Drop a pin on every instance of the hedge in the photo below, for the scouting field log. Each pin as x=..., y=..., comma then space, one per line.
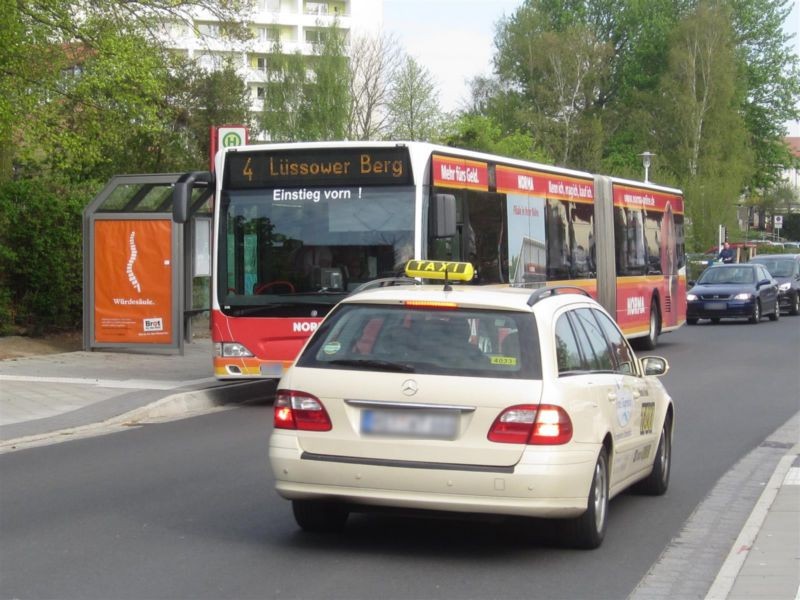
x=41, y=268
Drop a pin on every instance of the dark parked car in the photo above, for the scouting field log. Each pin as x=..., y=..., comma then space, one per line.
x=733, y=291
x=785, y=268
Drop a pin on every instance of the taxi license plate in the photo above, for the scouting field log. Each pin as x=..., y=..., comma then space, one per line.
x=716, y=306
x=428, y=424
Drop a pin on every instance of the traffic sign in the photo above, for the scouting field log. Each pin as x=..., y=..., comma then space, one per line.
x=778, y=221
x=231, y=136
x=226, y=136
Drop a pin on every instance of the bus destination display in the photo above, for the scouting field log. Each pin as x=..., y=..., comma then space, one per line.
x=304, y=168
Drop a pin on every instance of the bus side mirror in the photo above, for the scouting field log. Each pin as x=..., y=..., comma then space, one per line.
x=182, y=193
x=444, y=215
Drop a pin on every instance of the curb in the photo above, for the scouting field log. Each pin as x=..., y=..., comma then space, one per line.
x=188, y=403
x=726, y=578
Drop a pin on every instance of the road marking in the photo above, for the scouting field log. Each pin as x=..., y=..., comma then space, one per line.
x=132, y=384
x=792, y=477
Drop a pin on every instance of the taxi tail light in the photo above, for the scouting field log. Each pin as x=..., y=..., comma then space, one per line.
x=542, y=424
x=301, y=411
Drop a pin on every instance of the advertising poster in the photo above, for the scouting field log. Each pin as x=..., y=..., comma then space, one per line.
x=660, y=209
x=527, y=192
x=133, y=281
x=460, y=173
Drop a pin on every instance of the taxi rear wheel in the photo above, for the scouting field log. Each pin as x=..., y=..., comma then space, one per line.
x=588, y=530
x=657, y=482
x=320, y=517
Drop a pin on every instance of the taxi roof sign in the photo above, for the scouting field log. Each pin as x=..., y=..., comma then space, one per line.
x=440, y=269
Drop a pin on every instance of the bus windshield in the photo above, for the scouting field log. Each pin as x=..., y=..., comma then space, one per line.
x=298, y=251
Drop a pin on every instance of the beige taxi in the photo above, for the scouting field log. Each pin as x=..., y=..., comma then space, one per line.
x=470, y=399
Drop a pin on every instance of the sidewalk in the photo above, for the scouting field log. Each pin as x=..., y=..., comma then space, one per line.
x=41, y=395
x=764, y=562
x=58, y=394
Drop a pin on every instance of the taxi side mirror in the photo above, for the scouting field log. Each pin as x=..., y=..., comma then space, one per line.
x=654, y=366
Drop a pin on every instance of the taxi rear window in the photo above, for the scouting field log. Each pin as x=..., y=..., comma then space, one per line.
x=469, y=343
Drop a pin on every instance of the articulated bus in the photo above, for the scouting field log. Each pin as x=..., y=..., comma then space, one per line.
x=299, y=226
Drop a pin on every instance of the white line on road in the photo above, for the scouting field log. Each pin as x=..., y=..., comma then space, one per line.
x=133, y=384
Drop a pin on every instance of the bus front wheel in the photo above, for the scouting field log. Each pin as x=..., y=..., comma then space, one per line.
x=649, y=342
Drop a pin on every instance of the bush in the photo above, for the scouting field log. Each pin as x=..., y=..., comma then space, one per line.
x=41, y=271
x=775, y=249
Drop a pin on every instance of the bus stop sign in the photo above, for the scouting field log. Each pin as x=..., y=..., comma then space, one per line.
x=226, y=136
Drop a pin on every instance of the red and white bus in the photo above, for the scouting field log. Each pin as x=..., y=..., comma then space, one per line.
x=299, y=226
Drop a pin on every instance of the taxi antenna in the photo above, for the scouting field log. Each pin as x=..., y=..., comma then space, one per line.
x=447, y=286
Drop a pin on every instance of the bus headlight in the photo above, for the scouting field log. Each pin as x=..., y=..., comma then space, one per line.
x=231, y=350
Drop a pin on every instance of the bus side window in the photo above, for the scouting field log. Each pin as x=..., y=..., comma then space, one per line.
x=488, y=236
x=557, y=235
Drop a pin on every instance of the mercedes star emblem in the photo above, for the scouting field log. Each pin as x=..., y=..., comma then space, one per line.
x=409, y=387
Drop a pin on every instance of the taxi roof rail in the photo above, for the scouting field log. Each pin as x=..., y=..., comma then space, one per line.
x=547, y=292
x=385, y=282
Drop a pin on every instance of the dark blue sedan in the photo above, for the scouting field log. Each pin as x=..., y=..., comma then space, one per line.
x=733, y=291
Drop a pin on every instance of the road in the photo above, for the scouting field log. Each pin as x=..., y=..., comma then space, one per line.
x=186, y=509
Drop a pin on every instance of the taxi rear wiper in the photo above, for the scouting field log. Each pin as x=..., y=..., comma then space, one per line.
x=369, y=363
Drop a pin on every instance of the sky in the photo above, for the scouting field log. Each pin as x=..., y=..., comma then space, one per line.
x=454, y=40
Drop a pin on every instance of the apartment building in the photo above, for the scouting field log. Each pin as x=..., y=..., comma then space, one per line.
x=297, y=24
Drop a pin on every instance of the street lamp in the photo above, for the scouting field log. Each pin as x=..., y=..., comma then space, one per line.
x=646, y=156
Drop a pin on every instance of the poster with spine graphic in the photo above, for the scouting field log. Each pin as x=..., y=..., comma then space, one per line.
x=133, y=281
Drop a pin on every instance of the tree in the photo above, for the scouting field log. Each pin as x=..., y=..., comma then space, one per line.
x=559, y=68
x=44, y=41
x=482, y=133
x=102, y=115
x=791, y=227
x=777, y=199
x=414, y=104
x=198, y=100
x=281, y=118
x=307, y=98
x=326, y=109
x=374, y=60
x=702, y=134
x=771, y=71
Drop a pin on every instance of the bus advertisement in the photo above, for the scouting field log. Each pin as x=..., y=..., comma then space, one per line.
x=299, y=226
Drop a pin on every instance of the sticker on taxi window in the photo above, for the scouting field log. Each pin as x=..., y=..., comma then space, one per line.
x=332, y=348
x=507, y=361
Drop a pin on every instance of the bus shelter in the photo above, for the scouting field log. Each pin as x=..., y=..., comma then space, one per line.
x=144, y=276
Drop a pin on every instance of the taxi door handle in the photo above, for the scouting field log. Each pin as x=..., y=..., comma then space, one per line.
x=636, y=393
x=612, y=396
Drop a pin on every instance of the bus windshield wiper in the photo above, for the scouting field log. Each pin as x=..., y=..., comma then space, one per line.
x=383, y=365
x=241, y=311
